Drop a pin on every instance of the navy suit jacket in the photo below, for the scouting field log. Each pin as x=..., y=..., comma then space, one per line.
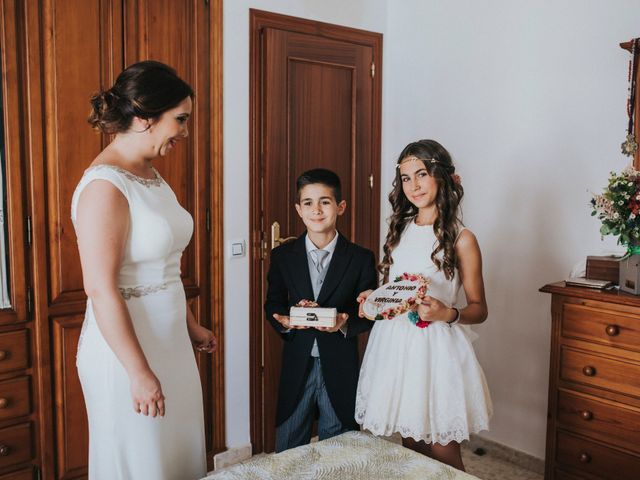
x=351, y=270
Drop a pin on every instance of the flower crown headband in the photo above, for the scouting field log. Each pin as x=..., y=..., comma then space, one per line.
x=411, y=158
x=454, y=176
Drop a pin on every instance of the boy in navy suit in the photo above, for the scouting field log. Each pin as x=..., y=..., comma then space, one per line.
x=320, y=366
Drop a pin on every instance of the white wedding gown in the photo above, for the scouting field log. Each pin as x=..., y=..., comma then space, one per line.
x=124, y=445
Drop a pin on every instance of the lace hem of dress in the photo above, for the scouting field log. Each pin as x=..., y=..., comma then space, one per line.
x=141, y=290
x=456, y=431
x=147, y=182
x=450, y=426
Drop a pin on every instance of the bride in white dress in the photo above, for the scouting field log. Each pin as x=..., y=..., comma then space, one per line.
x=135, y=356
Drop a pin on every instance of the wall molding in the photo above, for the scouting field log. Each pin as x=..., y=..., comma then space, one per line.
x=232, y=456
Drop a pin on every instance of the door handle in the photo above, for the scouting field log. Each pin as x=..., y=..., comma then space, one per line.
x=275, y=236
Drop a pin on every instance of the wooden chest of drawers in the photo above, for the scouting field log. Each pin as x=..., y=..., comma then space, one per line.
x=593, y=429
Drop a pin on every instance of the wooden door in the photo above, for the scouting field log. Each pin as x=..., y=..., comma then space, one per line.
x=317, y=107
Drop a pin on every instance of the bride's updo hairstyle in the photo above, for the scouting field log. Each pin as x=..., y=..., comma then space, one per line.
x=145, y=90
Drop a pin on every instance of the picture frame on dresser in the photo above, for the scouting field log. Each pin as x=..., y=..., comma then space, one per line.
x=593, y=426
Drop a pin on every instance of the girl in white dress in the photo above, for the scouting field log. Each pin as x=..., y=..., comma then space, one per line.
x=135, y=357
x=420, y=376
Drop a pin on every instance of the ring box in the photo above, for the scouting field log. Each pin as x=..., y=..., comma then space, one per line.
x=312, y=317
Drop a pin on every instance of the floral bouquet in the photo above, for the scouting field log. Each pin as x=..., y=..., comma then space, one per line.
x=618, y=207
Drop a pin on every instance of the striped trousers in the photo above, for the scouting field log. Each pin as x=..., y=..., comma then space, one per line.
x=296, y=430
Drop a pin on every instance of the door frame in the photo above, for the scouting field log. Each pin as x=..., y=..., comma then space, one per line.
x=215, y=221
x=260, y=20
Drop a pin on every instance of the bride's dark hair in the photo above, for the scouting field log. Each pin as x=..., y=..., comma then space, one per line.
x=145, y=89
x=438, y=163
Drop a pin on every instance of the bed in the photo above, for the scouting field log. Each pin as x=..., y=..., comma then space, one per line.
x=352, y=455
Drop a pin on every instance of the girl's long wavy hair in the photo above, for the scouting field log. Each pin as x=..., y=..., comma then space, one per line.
x=438, y=163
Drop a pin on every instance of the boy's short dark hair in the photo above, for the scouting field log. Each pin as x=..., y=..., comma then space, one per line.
x=323, y=176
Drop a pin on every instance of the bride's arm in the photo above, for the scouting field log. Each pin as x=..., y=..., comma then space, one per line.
x=470, y=268
x=101, y=226
x=202, y=338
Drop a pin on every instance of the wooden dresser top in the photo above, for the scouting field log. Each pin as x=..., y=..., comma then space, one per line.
x=612, y=296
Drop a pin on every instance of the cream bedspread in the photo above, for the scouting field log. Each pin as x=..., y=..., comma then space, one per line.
x=352, y=455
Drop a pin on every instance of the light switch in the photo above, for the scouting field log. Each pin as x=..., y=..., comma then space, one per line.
x=237, y=248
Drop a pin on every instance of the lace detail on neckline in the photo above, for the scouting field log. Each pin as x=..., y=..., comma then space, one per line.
x=147, y=182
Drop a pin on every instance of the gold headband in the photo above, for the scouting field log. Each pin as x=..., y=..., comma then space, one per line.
x=411, y=158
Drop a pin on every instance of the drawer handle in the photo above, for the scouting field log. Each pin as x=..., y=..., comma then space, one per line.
x=612, y=330
x=589, y=371
x=4, y=450
x=586, y=415
x=3, y=354
x=585, y=458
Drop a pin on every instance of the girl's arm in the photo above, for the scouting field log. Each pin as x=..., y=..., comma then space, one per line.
x=102, y=227
x=470, y=268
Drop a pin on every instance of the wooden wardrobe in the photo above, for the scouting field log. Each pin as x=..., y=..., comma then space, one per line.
x=55, y=54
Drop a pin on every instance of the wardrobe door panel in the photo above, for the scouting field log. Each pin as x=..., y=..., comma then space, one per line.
x=179, y=34
x=81, y=42
x=167, y=31
x=72, y=433
x=13, y=219
x=18, y=433
x=75, y=50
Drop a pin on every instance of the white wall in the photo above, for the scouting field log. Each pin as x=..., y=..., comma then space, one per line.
x=365, y=14
x=529, y=97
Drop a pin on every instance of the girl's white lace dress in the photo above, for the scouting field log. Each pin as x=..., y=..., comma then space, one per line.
x=424, y=383
x=124, y=445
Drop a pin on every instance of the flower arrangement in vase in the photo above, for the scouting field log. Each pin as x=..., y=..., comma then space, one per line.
x=618, y=208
